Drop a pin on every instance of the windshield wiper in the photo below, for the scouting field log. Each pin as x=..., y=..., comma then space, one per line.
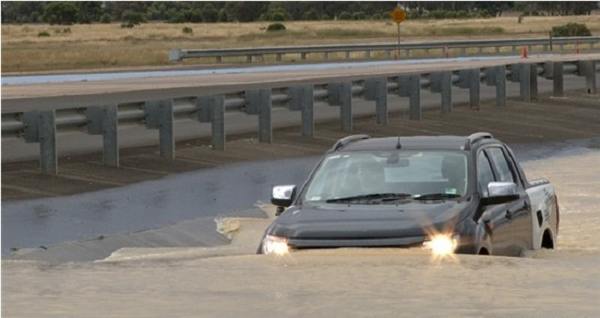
x=436, y=196
x=374, y=196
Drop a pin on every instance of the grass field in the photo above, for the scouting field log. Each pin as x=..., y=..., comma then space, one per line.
x=105, y=46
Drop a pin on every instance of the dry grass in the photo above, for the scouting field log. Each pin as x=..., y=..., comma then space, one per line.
x=110, y=46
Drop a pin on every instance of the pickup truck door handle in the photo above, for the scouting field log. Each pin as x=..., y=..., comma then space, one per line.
x=508, y=215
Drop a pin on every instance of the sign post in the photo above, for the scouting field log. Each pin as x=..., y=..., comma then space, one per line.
x=398, y=15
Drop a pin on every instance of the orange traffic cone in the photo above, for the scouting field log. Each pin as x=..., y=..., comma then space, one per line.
x=524, y=53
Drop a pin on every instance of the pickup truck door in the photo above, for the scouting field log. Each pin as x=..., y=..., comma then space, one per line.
x=519, y=210
x=499, y=221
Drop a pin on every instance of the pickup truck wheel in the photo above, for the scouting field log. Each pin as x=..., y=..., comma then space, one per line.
x=547, y=241
x=483, y=251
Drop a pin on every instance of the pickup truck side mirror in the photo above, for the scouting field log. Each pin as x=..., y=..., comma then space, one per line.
x=283, y=195
x=500, y=192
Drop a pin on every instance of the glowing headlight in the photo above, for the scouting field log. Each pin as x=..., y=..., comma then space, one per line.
x=441, y=245
x=275, y=245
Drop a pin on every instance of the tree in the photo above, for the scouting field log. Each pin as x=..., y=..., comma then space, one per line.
x=88, y=11
x=130, y=18
x=243, y=11
x=223, y=16
x=60, y=13
x=210, y=14
x=494, y=8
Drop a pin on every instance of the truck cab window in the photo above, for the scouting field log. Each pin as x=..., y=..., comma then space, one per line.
x=501, y=165
x=485, y=175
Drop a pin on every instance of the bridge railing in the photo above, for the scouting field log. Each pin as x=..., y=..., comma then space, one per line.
x=43, y=126
x=454, y=48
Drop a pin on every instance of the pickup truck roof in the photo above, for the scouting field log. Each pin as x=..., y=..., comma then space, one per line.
x=364, y=142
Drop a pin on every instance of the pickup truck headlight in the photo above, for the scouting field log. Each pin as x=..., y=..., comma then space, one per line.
x=275, y=245
x=441, y=244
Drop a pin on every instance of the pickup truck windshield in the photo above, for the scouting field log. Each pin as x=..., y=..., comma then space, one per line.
x=362, y=177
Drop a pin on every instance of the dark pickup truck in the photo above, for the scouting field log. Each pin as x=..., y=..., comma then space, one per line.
x=448, y=194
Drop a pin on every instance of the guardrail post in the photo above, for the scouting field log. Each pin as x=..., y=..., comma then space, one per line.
x=104, y=120
x=524, y=79
x=557, y=80
x=341, y=94
x=47, y=138
x=376, y=89
x=259, y=102
x=211, y=109
x=474, y=89
x=218, y=121
x=159, y=115
x=278, y=57
x=521, y=73
x=588, y=69
x=446, y=92
x=470, y=79
x=301, y=98
x=165, y=129
x=441, y=82
x=533, y=82
x=496, y=76
x=500, y=85
x=410, y=86
x=110, y=153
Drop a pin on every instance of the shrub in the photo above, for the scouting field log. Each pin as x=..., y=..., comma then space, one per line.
x=462, y=14
x=105, y=18
x=310, y=15
x=345, y=16
x=276, y=27
x=129, y=19
x=187, y=30
x=43, y=34
x=359, y=15
x=571, y=29
x=223, y=16
x=278, y=14
x=414, y=14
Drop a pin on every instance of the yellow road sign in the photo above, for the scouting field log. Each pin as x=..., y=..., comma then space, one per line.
x=398, y=15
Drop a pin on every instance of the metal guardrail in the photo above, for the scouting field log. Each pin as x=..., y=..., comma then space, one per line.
x=450, y=47
x=43, y=126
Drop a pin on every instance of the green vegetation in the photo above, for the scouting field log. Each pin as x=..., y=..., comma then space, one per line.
x=66, y=13
x=187, y=30
x=336, y=33
x=276, y=27
x=464, y=31
x=571, y=29
x=129, y=19
x=43, y=34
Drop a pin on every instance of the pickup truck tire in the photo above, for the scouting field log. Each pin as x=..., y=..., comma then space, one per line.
x=547, y=241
